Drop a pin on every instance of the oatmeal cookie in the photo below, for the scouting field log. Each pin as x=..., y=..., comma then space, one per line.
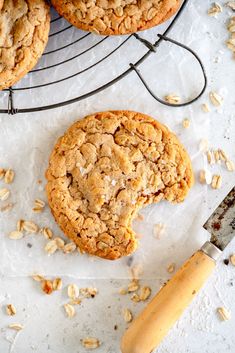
x=104, y=169
x=109, y=17
x=24, y=28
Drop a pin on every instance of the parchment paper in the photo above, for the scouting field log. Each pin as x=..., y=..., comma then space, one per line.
x=26, y=142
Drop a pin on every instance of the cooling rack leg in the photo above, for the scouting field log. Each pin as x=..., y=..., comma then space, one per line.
x=11, y=109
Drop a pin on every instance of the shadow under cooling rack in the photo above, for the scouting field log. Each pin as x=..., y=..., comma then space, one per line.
x=76, y=65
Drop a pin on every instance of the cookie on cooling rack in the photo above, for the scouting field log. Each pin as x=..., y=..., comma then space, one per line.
x=109, y=17
x=104, y=169
x=24, y=29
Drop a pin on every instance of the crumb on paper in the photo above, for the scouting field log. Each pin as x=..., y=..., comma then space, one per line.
x=10, y=310
x=16, y=235
x=145, y=293
x=135, y=298
x=9, y=176
x=203, y=145
x=30, y=227
x=47, y=286
x=139, y=217
x=51, y=247
x=205, y=177
x=232, y=259
x=69, y=248
x=186, y=123
x=231, y=5
x=7, y=207
x=57, y=283
x=127, y=315
x=171, y=267
x=16, y=326
x=47, y=232
x=159, y=230
x=4, y=194
x=72, y=291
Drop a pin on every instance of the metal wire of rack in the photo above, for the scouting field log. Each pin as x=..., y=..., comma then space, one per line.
x=60, y=63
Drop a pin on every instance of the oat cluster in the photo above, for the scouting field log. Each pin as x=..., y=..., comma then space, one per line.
x=104, y=169
x=116, y=16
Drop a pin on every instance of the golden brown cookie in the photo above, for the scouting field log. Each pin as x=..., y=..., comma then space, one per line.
x=116, y=16
x=24, y=29
x=104, y=169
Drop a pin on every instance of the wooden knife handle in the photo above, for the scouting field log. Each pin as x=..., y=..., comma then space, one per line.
x=152, y=324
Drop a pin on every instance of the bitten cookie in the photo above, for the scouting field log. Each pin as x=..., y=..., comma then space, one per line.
x=109, y=17
x=24, y=29
x=104, y=169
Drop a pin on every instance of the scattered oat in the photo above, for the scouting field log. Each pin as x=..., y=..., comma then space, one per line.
x=57, y=283
x=223, y=155
x=123, y=291
x=6, y=207
x=51, y=247
x=127, y=315
x=230, y=166
x=215, y=99
x=171, y=267
x=2, y=173
x=73, y=291
x=215, y=9
x=60, y=242
x=47, y=286
x=224, y=314
x=203, y=145
x=232, y=259
x=90, y=343
x=19, y=225
x=69, y=247
x=145, y=293
x=47, y=232
x=231, y=4
x=69, y=309
x=205, y=108
x=30, y=227
x=88, y=292
x=216, y=156
x=38, y=206
x=133, y=286
x=4, y=194
x=186, y=123
x=135, y=298
x=172, y=98
x=76, y=301
x=16, y=326
x=9, y=176
x=205, y=177
x=136, y=271
x=159, y=230
x=15, y=235
x=231, y=25
x=210, y=158
x=10, y=310
x=216, y=181
x=38, y=278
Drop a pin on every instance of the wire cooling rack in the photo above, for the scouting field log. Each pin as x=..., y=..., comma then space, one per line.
x=74, y=61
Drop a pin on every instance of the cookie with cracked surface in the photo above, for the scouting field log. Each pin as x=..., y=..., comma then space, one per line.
x=24, y=29
x=104, y=169
x=110, y=17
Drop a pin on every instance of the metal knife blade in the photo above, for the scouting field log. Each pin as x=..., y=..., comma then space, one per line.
x=221, y=224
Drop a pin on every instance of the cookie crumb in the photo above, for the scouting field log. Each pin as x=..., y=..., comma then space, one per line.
x=133, y=286
x=47, y=286
x=135, y=298
x=186, y=123
x=145, y=293
x=7, y=207
x=2, y=173
x=69, y=248
x=123, y=291
x=51, y=247
x=231, y=5
x=171, y=267
x=127, y=315
x=159, y=230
